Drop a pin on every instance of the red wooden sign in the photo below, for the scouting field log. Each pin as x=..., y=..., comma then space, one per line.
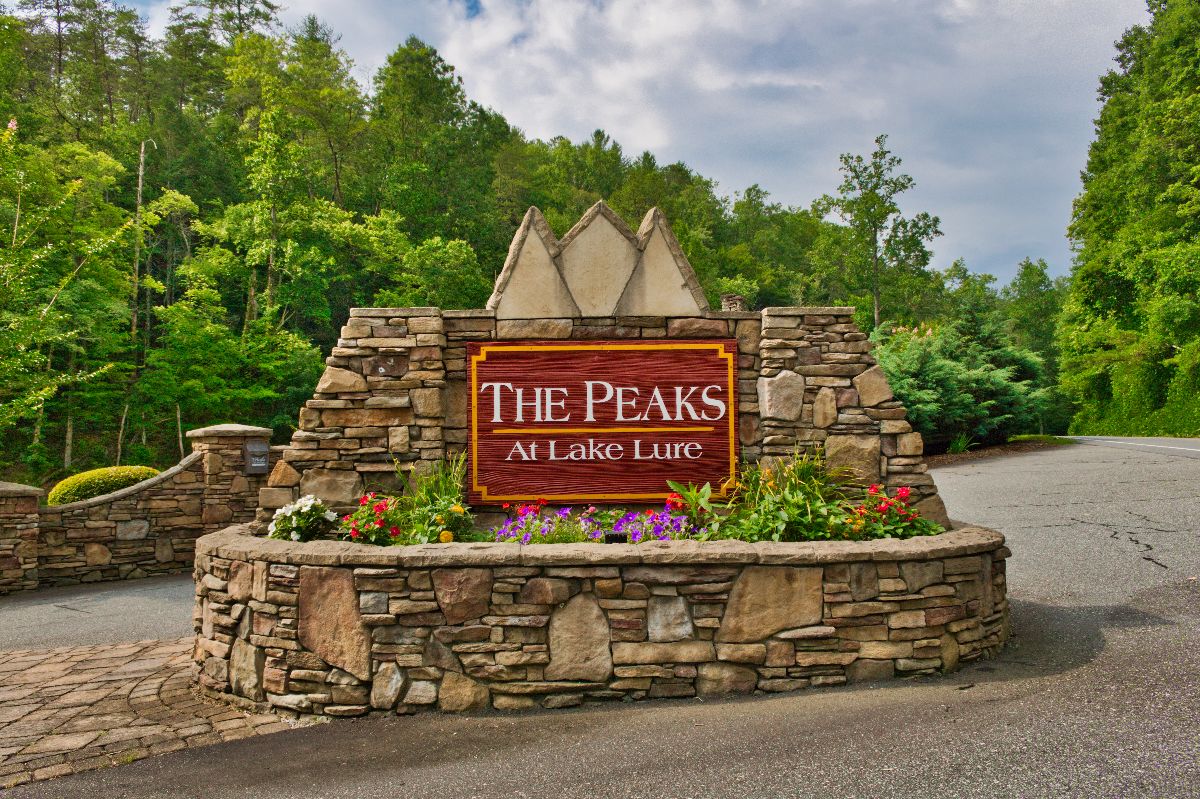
x=603, y=421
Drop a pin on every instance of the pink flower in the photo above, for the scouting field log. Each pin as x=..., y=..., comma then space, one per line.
x=12, y=124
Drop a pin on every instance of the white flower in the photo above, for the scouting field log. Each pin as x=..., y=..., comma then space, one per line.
x=271, y=527
x=330, y=516
x=295, y=535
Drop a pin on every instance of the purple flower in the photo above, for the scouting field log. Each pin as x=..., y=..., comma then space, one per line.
x=563, y=513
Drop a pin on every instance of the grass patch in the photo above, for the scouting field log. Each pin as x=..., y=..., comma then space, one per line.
x=1026, y=438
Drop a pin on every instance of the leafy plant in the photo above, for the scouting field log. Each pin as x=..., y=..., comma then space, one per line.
x=432, y=509
x=960, y=444
x=800, y=499
x=97, y=482
x=305, y=519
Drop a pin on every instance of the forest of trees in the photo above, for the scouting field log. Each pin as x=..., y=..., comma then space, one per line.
x=1130, y=330
x=186, y=221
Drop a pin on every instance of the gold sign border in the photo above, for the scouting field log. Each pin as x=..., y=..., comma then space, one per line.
x=722, y=350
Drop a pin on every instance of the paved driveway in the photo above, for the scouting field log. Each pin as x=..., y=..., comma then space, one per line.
x=1098, y=695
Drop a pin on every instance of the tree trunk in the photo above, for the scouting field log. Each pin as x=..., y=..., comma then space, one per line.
x=251, y=302
x=69, y=438
x=121, y=432
x=875, y=280
x=137, y=248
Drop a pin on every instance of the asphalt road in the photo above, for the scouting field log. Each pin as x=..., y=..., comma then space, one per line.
x=1098, y=694
x=100, y=613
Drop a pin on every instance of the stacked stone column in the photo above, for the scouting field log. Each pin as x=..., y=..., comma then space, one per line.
x=18, y=537
x=379, y=402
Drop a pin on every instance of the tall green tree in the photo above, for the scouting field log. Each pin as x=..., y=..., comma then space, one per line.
x=887, y=247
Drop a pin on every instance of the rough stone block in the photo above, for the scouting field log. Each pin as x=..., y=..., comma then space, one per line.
x=781, y=397
x=330, y=622
x=336, y=381
x=579, y=642
x=872, y=387
x=796, y=601
x=857, y=453
x=725, y=678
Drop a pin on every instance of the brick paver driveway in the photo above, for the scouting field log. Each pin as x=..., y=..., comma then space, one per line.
x=78, y=708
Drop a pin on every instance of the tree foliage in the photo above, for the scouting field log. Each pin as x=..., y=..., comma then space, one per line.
x=277, y=192
x=1130, y=330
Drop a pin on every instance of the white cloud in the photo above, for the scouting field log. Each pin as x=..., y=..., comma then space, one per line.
x=988, y=102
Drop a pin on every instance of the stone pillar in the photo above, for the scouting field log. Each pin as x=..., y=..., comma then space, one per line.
x=230, y=495
x=18, y=537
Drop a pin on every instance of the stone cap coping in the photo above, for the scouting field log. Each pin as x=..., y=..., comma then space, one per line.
x=240, y=542
x=19, y=490
x=489, y=313
x=816, y=310
x=121, y=493
x=386, y=312
x=230, y=431
x=470, y=313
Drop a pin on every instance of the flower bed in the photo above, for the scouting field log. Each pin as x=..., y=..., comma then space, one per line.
x=797, y=499
x=342, y=629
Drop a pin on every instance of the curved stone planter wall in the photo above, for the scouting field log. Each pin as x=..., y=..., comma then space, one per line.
x=144, y=529
x=342, y=629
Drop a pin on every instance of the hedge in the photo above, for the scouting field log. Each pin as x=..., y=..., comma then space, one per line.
x=97, y=482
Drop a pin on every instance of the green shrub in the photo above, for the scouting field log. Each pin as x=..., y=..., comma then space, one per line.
x=98, y=482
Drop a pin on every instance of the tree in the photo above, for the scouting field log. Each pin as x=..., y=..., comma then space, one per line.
x=890, y=243
x=1130, y=329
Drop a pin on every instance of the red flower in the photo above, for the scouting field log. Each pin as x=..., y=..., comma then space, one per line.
x=395, y=531
x=354, y=533
x=649, y=512
x=541, y=501
x=674, y=501
x=379, y=522
x=364, y=500
x=903, y=493
x=874, y=489
x=506, y=505
x=883, y=506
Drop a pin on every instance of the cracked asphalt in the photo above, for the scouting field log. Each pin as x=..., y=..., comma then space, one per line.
x=1097, y=695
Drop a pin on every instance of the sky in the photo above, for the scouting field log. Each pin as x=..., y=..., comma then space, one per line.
x=990, y=103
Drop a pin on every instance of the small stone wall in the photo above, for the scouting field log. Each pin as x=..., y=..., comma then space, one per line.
x=342, y=629
x=147, y=528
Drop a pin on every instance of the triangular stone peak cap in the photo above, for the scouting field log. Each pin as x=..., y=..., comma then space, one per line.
x=600, y=268
x=598, y=256
x=663, y=283
x=531, y=285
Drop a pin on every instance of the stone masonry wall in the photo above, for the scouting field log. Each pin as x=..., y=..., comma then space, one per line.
x=395, y=386
x=148, y=528
x=18, y=537
x=342, y=629
x=395, y=389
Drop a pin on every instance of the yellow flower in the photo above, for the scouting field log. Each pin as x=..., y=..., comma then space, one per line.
x=446, y=537
x=458, y=509
x=439, y=519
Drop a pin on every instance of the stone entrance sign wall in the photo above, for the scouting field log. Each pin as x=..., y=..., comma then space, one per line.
x=343, y=629
x=396, y=386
